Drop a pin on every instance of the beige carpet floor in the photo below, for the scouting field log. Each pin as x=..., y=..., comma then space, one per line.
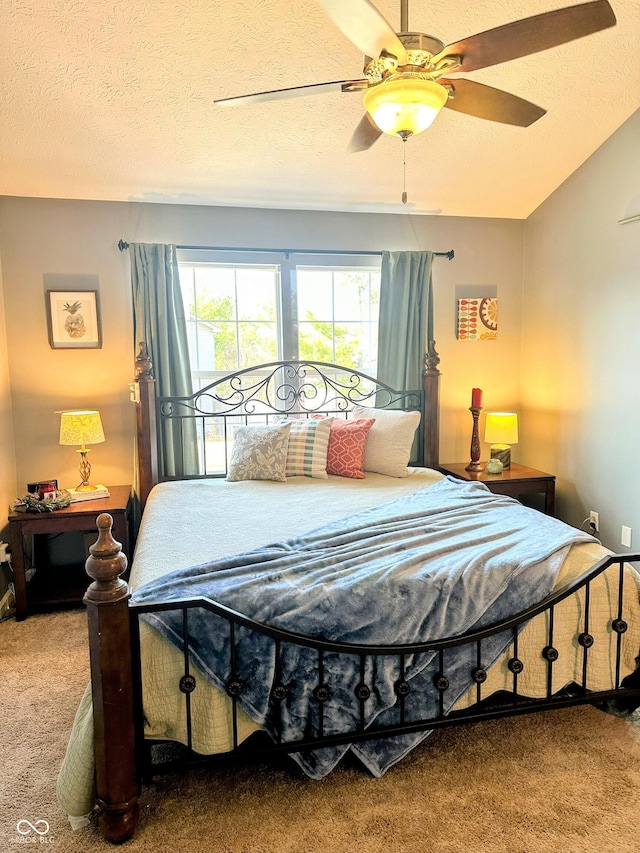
x=561, y=782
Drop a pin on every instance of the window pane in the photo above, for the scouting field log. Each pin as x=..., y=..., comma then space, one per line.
x=214, y=275
x=218, y=298
x=315, y=341
x=352, y=296
x=225, y=346
x=214, y=296
x=355, y=345
x=257, y=343
x=256, y=289
x=315, y=294
x=338, y=316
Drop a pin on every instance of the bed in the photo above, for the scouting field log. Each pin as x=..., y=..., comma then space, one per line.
x=290, y=615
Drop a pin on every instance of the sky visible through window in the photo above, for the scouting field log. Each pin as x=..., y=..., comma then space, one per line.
x=237, y=316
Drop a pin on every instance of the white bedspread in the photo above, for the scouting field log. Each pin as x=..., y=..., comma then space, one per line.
x=216, y=518
x=189, y=522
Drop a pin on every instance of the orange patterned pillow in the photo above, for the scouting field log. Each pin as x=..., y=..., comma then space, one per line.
x=347, y=442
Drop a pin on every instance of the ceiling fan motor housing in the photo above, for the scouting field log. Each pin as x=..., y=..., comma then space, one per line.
x=420, y=48
x=420, y=43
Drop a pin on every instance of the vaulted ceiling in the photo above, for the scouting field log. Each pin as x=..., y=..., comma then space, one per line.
x=113, y=99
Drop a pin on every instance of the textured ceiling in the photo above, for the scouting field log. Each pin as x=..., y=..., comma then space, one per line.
x=113, y=99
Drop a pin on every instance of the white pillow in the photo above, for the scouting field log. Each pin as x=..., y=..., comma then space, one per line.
x=388, y=448
x=259, y=453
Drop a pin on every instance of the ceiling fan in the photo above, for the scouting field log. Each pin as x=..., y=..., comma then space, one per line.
x=406, y=81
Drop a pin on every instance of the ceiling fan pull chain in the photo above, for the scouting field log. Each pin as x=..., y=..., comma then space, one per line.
x=404, y=170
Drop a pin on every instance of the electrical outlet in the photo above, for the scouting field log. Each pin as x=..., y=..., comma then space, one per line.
x=625, y=538
x=594, y=520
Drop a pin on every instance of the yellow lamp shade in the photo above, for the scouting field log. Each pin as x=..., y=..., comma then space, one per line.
x=501, y=428
x=83, y=427
x=404, y=105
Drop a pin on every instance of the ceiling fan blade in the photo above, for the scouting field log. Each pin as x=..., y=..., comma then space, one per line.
x=367, y=28
x=530, y=35
x=294, y=92
x=366, y=133
x=482, y=101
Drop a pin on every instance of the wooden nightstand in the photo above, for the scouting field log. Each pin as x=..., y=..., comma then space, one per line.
x=516, y=481
x=62, y=584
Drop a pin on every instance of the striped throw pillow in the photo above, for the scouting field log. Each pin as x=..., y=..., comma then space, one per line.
x=308, y=445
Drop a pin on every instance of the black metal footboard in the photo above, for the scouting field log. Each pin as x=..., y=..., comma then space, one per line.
x=487, y=704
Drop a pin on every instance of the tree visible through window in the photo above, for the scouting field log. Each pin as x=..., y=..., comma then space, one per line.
x=338, y=316
x=247, y=313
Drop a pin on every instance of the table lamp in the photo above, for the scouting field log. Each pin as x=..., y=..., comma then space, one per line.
x=82, y=428
x=501, y=431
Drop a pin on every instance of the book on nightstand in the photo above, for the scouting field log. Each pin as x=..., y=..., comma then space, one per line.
x=100, y=491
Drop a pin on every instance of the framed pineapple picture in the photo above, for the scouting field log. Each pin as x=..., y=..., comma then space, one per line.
x=73, y=318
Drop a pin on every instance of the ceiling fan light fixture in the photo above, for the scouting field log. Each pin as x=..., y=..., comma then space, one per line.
x=405, y=105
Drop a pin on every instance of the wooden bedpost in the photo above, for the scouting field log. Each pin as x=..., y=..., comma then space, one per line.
x=117, y=784
x=431, y=414
x=147, y=446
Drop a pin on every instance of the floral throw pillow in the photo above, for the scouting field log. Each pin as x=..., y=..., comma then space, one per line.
x=259, y=453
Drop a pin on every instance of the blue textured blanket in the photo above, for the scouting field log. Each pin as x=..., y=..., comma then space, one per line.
x=430, y=565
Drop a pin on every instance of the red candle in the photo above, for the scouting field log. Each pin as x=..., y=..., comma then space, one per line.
x=476, y=398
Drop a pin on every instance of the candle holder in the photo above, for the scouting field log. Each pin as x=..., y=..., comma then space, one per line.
x=475, y=464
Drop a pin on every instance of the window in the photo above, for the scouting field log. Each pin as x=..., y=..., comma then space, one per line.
x=338, y=315
x=250, y=308
x=232, y=317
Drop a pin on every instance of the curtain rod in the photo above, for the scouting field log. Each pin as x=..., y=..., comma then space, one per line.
x=122, y=245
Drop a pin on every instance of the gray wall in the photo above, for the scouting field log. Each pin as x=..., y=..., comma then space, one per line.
x=41, y=236
x=580, y=394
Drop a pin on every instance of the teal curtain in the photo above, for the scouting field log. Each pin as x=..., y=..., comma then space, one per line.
x=159, y=320
x=406, y=320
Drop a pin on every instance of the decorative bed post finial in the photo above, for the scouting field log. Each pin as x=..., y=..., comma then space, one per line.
x=144, y=365
x=105, y=564
x=431, y=359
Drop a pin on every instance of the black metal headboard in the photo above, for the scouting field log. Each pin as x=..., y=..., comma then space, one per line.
x=174, y=434
x=195, y=433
